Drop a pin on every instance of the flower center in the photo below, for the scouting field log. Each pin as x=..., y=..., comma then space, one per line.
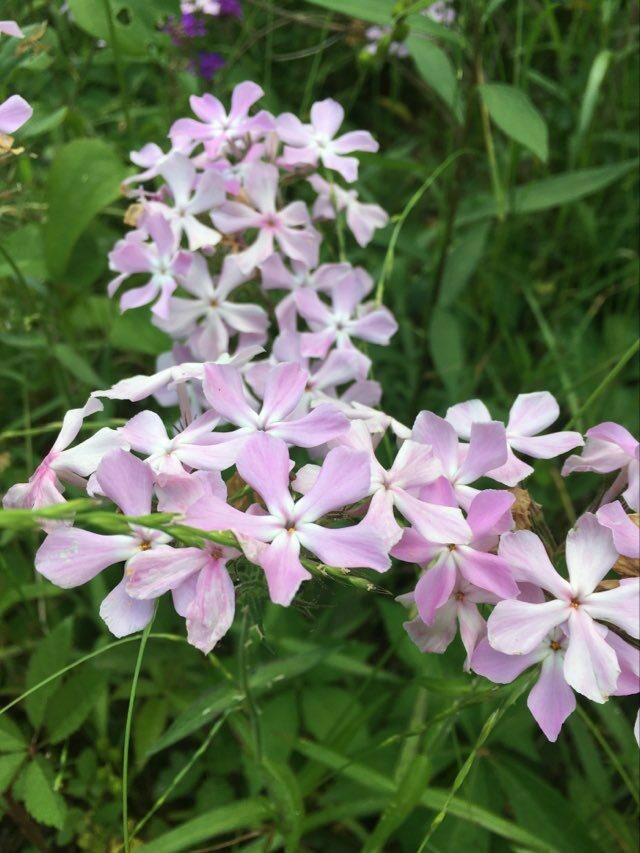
x=575, y=603
x=144, y=546
x=554, y=645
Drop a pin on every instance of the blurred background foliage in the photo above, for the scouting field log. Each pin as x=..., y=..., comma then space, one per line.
x=508, y=163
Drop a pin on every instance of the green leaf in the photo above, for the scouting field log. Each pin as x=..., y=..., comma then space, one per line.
x=25, y=248
x=215, y=702
x=285, y=794
x=242, y=815
x=132, y=331
x=549, y=192
x=323, y=707
x=77, y=365
x=84, y=178
x=402, y=803
x=36, y=790
x=594, y=84
x=462, y=261
x=437, y=71
x=73, y=702
x=9, y=765
x=376, y=11
x=27, y=592
x=43, y=120
x=512, y=111
x=149, y=724
x=447, y=348
x=11, y=737
x=51, y=654
x=134, y=21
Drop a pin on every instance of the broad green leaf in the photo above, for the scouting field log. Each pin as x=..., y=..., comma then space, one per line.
x=512, y=111
x=73, y=702
x=437, y=71
x=401, y=804
x=462, y=261
x=133, y=332
x=50, y=655
x=42, y=802
x=549, y=192
x=11, y=737
x=24, y=247
x=134, y=21
x=447, y=348
x=84, y=178
x=150, y=721
x=43, y=120
x=77, y=365
x=9, y=766
x=241, y=815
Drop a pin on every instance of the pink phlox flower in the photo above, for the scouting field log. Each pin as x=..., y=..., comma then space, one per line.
x=377, y=421
x=611, y=447
x=71, y=464
x=146, y=433
x=233, y=172
x=460, y=464
x=459, y=611
x=626, y=534
x=197, y=578
x=209, y=318
x=289, y=227
x=454, y=549
x=11, y=28
x=217, y=129
x=69, y=556
x=150, y=158
x=344, y=319
x=340, y=368
x=276, y=276
x=375, y=34
x=362, y=218
x=306, y=144
x=441, y=12
x=529, y=415
x=192, y=195
x=518, y=627
x=290, y=525
x=160, y=256
x=283, y=389
x=205, y=7
x=14, y=112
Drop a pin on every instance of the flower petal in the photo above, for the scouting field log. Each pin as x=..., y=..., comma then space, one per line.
x=211, y=611
x=434, y=588
x=532, y=413
x=620, y=606
x=529, y=562
x=344, y=478
x=264, y=464
x=590, y=664
x=69, y=556
x=517, y=627
x=150, y=574
x=357, y=547
x=590, y=554
x=124, y=615
x=551, y=700
x=127, y=481
x=283, y=569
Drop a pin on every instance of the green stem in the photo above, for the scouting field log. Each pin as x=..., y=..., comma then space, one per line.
x=624, y=359
x=496, y=182
x=127, y=733
x=122, y=80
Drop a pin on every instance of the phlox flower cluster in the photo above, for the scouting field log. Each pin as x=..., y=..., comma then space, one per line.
x=15, y=111
x=280, y=427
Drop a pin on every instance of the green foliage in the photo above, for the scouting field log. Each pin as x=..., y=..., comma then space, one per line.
x=511, y=263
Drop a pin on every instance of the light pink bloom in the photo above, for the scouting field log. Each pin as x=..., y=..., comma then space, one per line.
x=192, y=195
x=161, y=257
x=151, y=158
x=345, y=319
x=551, y=699
x=461, y=555
x=69, y=556
x=290, y=227
x=14, y=112
x=460, y=464
x=610, y=447
x=234, y=172
x=308, y=143
x=210, y=317
x=518, y=627
x=276, y=276
x=217, y=128
x=195, y=446
x=72, y=464
x=459, y=611
x=206, y=7
x=11, y=28
x=362, y=219
x=626, y=534
x=283, y=390
x=376, y=34
x=529, y=415
x=287, y=526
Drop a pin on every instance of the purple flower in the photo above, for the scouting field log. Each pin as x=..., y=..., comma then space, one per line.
x=518, y=627
x=192, y=26
x=529, y=415
x=344, y=320
x=611, y=447
x=161, y=257
x=288, y=525
x=208, y=64
x=309, y=143
x=289, y=227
